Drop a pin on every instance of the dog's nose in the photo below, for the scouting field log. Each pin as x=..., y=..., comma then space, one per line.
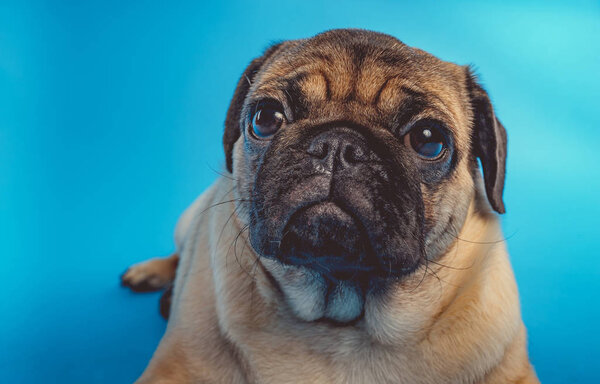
x=339, y=146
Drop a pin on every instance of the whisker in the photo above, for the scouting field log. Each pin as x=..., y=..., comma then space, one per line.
x=450, y=267
x=220, y=173
x=223, y=202
x=422, y=277
x=234, y=245
x=221, y=233
x=227, y=222
x=504, y=239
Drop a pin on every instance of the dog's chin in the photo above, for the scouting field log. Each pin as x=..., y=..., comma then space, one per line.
x=321, y=266
x=311, y=296
x=325, y=264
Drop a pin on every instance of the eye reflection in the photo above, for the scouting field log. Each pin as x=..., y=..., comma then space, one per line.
x=428, y=141
x=266, y=121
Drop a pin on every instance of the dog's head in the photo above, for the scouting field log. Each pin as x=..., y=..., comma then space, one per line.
x=355, y=158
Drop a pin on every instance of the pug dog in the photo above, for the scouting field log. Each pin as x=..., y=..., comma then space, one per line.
x=353, y=238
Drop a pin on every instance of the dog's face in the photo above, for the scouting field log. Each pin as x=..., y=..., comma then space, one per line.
x=355, y=161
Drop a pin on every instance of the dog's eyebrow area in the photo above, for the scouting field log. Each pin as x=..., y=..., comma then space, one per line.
x=311, y=88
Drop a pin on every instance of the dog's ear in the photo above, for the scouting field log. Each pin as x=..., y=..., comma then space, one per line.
x=489, y=142
x=232, y=121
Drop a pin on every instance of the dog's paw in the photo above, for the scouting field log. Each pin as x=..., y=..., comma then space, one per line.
x=152, y=275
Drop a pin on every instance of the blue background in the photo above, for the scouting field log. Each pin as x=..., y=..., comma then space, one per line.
x=111, y=115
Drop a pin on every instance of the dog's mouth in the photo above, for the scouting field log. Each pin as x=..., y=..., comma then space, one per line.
x=328, y=239
x=327, y=242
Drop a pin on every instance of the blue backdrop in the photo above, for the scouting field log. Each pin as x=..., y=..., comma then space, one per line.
x=111, y=116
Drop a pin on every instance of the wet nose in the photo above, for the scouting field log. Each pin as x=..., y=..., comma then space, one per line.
x=339, y=146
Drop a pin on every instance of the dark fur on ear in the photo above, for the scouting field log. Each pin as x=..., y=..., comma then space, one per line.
x=232, y=121
x=489, y=142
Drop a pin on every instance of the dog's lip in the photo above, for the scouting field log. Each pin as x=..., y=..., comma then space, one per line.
x=328, y=206
x=328, y=265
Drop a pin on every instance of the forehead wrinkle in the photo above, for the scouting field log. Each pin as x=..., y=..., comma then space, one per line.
x=340, y=73
x=333, y=76
x=307, y=82
x=316, y=87
x=337, y=68
x=446, y=102
x=370, y=80
x=395, y=90
x=277, y=73
x=282, y=72
x=378, y=68
x=409, y=103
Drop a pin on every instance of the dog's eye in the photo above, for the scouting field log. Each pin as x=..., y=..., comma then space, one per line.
x=427, y=140
x=266, y=121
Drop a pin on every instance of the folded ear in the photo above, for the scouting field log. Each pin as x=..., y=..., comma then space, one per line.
x=489, y=142
x=232, y=121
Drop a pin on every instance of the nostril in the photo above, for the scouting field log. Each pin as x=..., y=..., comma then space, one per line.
x=319, y=150
x=324, y=150
x=339, y=145
x=351, y=154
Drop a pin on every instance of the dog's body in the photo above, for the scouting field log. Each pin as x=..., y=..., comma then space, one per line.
x=444, y=309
